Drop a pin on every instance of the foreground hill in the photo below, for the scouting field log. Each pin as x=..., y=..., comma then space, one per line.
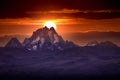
x=71, y=63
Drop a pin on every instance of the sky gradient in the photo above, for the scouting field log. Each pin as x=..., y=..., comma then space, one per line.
x=22, y=17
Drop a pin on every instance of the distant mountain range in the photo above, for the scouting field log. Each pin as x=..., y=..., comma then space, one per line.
x=79, y=38
x=43, y=38
x=4, y=39
x=102, y=44
x=86, y=37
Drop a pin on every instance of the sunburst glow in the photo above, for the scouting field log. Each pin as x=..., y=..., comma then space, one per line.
x=50, y=24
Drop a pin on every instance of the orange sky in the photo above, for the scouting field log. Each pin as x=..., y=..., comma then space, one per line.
x=64, y=25
x=22, y=17
x=67, y=21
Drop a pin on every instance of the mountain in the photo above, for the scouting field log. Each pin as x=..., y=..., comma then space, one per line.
x=48, y=39
x=78, y=37
x=82, y=38
x=93, y=43
x=101, y=44
x=107, y=44
x=45, y=38
x=14, y=43
x=6, y=38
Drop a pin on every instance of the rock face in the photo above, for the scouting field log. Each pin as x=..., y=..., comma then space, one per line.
x=46, y=38
x=14, y=43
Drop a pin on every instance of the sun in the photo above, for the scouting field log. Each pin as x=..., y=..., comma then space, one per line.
x=50, y=24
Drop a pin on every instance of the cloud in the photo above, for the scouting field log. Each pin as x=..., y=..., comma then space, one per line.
x=67, y=11
x=75, y=13
x=72, y=11
x=58, y=21
x=37, y=21
x=18, y=8
x=20, y=21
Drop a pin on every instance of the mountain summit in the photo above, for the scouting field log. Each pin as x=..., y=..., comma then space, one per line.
x=45, y=38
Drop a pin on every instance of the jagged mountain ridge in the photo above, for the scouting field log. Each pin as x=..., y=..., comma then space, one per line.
x=45, y=38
